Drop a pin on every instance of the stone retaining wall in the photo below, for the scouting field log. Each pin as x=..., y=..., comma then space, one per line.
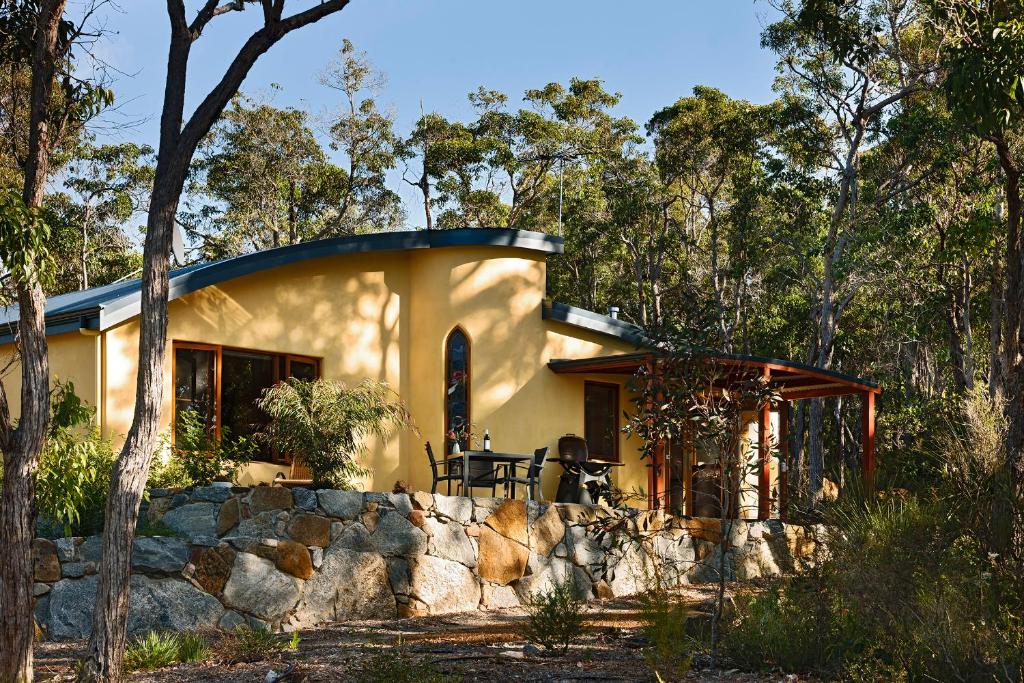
x=291, y=558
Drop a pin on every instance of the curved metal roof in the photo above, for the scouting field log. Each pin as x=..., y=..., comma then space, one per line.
x=100, y=308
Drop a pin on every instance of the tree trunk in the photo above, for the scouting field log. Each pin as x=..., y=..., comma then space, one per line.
x=85, y=244
x=1014, y=338
x=796, y=445
x=22, y=449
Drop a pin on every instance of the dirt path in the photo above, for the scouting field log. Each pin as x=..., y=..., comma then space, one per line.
x=473, y=646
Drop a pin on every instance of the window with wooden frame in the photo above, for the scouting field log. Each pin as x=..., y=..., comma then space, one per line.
x=457, y=379
x=223, y=383
x=601, y=420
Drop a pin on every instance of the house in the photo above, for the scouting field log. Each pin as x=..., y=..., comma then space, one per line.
x=456, y=321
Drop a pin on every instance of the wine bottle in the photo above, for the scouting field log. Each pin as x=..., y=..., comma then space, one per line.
x=487, y=440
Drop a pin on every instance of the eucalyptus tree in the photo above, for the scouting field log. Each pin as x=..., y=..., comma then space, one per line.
x=983, y=65
x=112, y=185
x=179, y=138
x=366, y=137
x=45, y=100
x=852, y=63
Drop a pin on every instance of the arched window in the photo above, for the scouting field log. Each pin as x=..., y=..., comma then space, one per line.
x=456, y=397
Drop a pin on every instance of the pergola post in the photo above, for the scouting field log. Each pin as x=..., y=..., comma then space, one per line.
x=867, y=415
x=783, y=458
x=764, y=465
x=655, y=477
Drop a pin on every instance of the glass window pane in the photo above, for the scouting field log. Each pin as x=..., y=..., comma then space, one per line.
x=600, y=415
x=243, y=379
x=457, y=378
x=194, y=377
x=303, y=370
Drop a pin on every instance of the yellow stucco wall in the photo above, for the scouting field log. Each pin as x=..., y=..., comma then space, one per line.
x=73, y=357
x=387, y=316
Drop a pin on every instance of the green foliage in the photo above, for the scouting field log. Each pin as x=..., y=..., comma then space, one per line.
x=202, y=456
x=664, y=626
x=24, y=240
x=555, y=618
x=255, y=644
x=75, y=466
x=916, y=585
x=157, y=649
x=326, y=424
x=398, y=665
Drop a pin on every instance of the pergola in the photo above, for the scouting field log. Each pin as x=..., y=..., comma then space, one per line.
x=792, y=382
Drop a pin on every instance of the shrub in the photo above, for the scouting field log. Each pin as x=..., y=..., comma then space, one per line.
x=398, y=665
x=157, y=649
x=555, y=618
x=74, y=468
x=663, y=624
x=255, y=644
x=203, y=457
x=151, y=651
x=325, y=423
x=193, y=647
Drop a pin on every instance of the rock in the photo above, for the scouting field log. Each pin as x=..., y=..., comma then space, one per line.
x=531, y=650
x=370, y=520
x=398, y=576
x=395, y=535
x=179, y=499
x=211, y=494
x=67, y=549
x=257, y=587
x=354, y=537
x=443, y=586
x=40, y=589
x=263, y=525
x=343, y=504
x=91, y=549
x=603, y=590
x=336, y=530
x=155, y=604
x=574, y=513
x=45, y=564
x=501, y=560
x=449, y=542
x=159, y=554
x=547, y=532
x=485, y=507
x=372, y=505
x=585, y=550
x=305, y=499
x=509, y=520
x=156, y=509
x=535, y=584
x=418, y=519
x=454, y=507
x=229, y=515
x=499, y=597
x=421, y=500
x=293, y=558
x=310, y=530
x=473, y=530
x=349, y=585
x=72, y=570
x=631, y=572
x=400, y=502
x=317, y=556
x=213, y=567
x=69, y=609
x=170, y=605
x=194, y=519
x=231, y=621
x=264, y=498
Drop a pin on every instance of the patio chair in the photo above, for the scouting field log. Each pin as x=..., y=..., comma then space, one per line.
x=451, y=468
x=528, y=478
x=583, y=481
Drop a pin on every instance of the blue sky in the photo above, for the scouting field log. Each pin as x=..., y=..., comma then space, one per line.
x=436, y=51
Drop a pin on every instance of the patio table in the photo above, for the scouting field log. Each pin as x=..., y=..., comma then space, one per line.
x=492, y=457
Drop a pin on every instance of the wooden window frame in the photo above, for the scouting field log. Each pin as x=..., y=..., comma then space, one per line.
x=469, y=385
x=614, y=456
x=218, y=351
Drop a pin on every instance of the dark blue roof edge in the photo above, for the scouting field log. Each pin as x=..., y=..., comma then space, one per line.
x=123, y=303
x=596, y=322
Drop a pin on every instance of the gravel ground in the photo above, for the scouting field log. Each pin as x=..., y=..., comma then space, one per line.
x=473, y=646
